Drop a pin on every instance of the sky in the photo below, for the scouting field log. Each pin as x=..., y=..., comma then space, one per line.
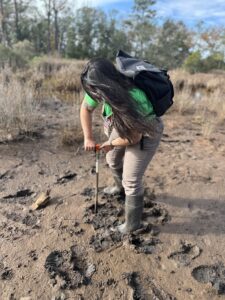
x=191, y=12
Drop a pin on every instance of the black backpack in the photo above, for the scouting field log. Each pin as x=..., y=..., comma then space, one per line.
x=153, y=81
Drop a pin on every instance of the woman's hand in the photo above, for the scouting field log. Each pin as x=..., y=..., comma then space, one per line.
x=106, y=146
x=89, y=145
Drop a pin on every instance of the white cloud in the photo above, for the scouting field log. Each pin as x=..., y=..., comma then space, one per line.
x=81, y=3
x=192, y=10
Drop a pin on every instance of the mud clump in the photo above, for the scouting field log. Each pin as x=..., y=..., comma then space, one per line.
x=87, y=192
x=106, y=217
x=33, y=255
x=156, y=214
x=133, y=281
x=28, y=219
x=146, y=246
x=6, y=274
x=105, y=240
x=20, y=194
x=214, y=274
x=66, y=177
x=155, y=291
x=186, y=253
x=68, y=268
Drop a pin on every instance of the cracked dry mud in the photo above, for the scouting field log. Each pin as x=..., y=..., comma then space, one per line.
x=64, y=251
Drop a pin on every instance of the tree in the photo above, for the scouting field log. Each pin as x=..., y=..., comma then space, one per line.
x=110, y=36
x=48, y=9
x=86, y=21
x=58, y=6
x=5, y=12
x=193, y=62
x=140, y=26
x=22, y=19
x=172, y=47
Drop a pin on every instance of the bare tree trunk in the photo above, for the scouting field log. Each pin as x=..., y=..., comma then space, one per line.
x=3, y=38
x=17, y=28
x=56, y=30
x=58, y=6
x=49, y=25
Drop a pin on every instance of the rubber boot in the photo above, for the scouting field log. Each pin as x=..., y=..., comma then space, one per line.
x=117, y=188
x=133, y=214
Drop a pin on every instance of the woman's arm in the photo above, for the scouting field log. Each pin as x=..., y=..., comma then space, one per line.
x=125, y=142
x=118, y=141
x=86, y=124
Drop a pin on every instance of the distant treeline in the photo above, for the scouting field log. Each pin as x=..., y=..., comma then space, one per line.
x=53, y=27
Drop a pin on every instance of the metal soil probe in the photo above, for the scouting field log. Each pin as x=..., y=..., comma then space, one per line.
x=97, y=152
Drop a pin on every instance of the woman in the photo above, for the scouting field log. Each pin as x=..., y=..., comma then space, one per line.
x=132, y=128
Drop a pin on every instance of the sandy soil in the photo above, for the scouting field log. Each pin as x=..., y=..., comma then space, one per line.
x=64, y=251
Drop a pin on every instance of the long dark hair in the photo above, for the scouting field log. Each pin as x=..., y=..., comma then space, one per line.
x=102, y=81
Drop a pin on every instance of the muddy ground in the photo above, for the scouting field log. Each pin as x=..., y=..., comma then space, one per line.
x=64, y=251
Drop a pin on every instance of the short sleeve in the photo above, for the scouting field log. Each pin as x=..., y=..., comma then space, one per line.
x=89, y=102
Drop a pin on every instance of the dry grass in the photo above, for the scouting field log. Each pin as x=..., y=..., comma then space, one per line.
x=72, y=135
x=66, y=79
x=61, y=77
x=201, y=95
x=17, y=105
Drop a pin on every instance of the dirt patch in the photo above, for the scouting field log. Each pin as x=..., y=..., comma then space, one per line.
x=31, y=238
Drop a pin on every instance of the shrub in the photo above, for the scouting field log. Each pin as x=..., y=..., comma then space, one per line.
x=16, y=57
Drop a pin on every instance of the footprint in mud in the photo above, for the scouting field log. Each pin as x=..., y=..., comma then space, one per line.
x=186, y=254
x=105, y=240
x=70, y=266
x=156, y=214
x=107, y=215
x=214, y=274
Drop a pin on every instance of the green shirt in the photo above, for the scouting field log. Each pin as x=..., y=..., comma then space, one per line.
x=143, y=103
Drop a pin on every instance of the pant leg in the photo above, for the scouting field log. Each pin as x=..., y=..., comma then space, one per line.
x=115, y=157
x=136, y=162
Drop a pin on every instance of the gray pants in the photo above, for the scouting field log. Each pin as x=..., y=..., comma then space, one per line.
x=134, y=161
